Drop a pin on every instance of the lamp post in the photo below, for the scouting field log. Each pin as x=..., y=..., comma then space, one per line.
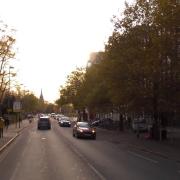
x=10, y=67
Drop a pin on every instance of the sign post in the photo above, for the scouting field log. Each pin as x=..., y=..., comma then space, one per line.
x=17, y=106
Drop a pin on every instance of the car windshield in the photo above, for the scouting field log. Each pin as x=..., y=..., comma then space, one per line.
x=81, y=124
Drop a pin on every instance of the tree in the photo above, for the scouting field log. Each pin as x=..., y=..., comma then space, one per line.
x=30, y=103
x=6, y=55
x=50, y=108
x=96, y=96
x=139, y=70
x=69, y=93
x=141, y=52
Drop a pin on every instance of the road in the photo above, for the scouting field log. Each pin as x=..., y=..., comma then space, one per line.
x=55, y=155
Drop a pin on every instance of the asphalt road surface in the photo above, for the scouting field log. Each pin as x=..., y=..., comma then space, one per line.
x=56, y=155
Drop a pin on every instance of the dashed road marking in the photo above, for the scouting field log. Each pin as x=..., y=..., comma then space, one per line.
x=15, y=171
x=43, y=138
x=96, y=171
x=143, y=157
x=89, y=164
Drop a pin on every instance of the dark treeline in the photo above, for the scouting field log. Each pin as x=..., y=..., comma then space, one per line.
x=139, y=70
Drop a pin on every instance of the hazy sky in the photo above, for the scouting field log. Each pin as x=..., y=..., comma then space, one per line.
x=56, y=36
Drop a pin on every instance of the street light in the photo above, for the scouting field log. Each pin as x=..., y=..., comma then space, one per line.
x=10, y=67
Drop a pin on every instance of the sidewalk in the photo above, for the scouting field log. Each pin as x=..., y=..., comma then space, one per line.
x=168, y=149
x=11, y=133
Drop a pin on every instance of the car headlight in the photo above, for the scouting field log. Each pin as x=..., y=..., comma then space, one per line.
x=80, y=130
x=93, y=131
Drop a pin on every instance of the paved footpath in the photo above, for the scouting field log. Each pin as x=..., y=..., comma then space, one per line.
x=11, y=133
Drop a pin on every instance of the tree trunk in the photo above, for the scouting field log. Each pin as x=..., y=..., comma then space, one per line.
x=156, y=128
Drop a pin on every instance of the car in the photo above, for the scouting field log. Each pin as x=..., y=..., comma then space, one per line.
x=139, y=124
x=65, y=122
x=96, y=123
x=29, y=116
x=53, y=115
x=44, y=123
x=61, y=117
x=104, y=123
x=83, y=129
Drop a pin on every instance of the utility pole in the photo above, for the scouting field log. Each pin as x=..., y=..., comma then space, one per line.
x=10, y=67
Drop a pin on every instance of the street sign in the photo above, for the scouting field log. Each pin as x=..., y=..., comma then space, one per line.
x=17, y=106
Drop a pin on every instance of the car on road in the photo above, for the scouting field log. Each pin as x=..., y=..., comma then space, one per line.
x=30, y=117
x=44, y=123
x=104, y=123
x=96, y=123
x=139, y=124
x=83, y=129
x=65, y=122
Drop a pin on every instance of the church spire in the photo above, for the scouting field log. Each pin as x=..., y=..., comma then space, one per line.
x=41, y=96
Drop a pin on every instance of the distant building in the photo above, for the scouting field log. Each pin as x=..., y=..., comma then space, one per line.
x=41, y=98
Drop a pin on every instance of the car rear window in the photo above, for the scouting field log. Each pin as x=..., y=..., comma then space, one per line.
x=81, y=124
x=44, y=119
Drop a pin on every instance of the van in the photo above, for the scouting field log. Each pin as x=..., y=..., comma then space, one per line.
x=44, y=123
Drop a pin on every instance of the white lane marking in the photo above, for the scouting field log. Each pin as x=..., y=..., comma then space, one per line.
x=143, y=157
x=23, y=153
x=90, y=165
x=43, y=138
x=96, y=171
x=15, y=171
x=27, y=145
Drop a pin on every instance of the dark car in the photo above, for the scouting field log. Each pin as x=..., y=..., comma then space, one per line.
x=65, y=122
x=104, y=123
x=44, y=123
x=83, y=129
x=96, y=123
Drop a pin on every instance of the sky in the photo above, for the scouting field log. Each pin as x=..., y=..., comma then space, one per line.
x=53, y=37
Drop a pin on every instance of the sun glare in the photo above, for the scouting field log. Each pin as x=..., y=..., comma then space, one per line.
x=54, y=37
